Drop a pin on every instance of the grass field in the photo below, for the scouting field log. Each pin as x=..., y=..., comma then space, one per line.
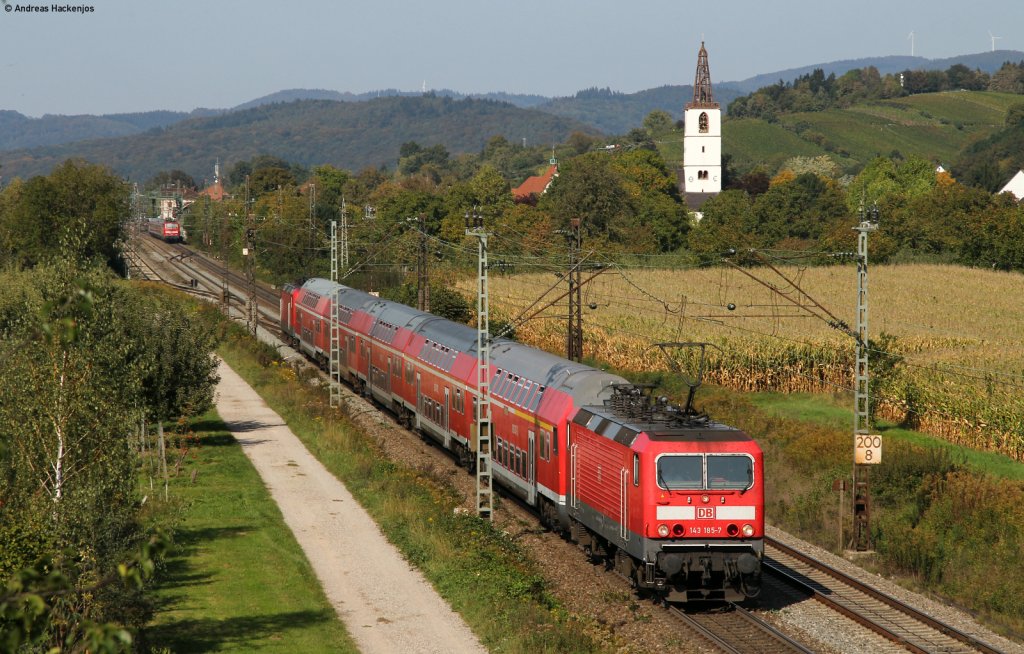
x=237, y=580
x=956, y=329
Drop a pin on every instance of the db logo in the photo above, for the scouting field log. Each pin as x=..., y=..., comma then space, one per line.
x=705, y=513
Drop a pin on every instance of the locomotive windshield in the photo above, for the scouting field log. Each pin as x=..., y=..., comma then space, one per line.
x=730, y=472
x=683, y=472
x=713, y=472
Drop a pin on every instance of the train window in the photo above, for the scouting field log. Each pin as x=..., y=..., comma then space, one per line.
x=535, y=402
x=519, y=462
x=528, y=387
x=680, y=471
x=545, y=444
x=554, y=439
x=408, y=372
x=460, y=406
x=730, y=472
x=636, y=469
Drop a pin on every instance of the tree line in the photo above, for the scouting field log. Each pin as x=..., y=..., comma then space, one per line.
x=92, y=366
x=817, y=92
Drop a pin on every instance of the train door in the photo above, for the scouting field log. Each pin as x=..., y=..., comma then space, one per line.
x=573, y=464
x=531, y=466
x=419, y=396
x=444, y=415
x=623, y=504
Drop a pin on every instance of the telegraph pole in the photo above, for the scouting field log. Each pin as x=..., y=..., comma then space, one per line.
x=574, y=341
x=335, y=321
x=252, y=310
x=484, y=483
x=867, y=447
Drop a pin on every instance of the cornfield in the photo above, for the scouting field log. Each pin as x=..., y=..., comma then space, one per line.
x=952, y=364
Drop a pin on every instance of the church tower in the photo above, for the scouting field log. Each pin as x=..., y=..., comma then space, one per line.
x=702, y=135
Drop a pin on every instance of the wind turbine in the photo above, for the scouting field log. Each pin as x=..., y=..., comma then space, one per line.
x=911, y=38
x=994, y=40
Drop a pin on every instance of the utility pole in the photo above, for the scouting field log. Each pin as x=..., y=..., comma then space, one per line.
x=574, y=340
x=422, y=280
x=312, y=230
x=344, y=236
x=867, y=450
x=225, y=297
x=484, y=482
x=252, y=310
x=335, y=321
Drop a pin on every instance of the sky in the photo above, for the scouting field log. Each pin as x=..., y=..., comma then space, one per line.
x=142, y=55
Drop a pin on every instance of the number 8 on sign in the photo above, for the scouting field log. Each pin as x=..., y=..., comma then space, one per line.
x=867, y=449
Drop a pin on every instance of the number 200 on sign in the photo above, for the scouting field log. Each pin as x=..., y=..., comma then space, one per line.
x=867, y=448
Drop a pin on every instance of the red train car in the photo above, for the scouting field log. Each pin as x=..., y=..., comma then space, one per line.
x=167, y=230
x=671, y=499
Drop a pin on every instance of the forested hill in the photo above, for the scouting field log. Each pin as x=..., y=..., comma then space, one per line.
x=617, y=113
x=19, y=131
x=349, y=135
x=988, y=62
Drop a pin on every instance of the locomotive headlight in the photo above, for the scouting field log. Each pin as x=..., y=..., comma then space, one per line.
x=663, y=531
x=748, y=530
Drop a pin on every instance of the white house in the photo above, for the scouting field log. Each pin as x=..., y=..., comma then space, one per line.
x=1015, y=186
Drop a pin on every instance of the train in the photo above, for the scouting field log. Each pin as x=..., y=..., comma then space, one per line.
x=167, y=230
x=667, y=497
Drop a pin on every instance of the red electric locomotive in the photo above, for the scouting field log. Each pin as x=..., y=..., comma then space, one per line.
x=167, y=230
x=671, y=499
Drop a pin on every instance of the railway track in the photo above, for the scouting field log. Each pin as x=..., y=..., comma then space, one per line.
x=736, y=630
x=730, y=628
x=186, y=264
x=894, y=620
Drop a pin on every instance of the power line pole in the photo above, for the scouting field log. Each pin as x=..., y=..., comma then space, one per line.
x=335, y=321
x=312, y=230
x=422, y=280
x=574, y=340
x=252, y=310
x=225, y=297
x=864, y=452
x=344, y=235
x=484, y=483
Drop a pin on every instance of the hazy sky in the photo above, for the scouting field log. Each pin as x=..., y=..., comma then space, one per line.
x=139, y=55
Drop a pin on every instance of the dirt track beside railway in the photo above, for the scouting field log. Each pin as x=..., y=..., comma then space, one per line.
x=386, y=605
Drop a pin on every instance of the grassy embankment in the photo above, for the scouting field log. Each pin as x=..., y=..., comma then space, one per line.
x=237, y=581
x=946, y=518
x=483, y=574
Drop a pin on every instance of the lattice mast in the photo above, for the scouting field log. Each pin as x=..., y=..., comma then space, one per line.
x=335, y=367
x=484, y=482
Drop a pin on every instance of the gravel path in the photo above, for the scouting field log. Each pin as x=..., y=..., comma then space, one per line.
x=386, y=605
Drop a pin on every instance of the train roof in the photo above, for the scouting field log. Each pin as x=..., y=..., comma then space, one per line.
x=575, y=379
x=630, y=412
x=582, y=382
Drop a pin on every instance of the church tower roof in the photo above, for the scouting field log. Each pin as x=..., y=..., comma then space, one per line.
x=702, y=98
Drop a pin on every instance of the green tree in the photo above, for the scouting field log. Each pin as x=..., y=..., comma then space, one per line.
x=589, y=187
x=78, y=203
x=658, y=122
